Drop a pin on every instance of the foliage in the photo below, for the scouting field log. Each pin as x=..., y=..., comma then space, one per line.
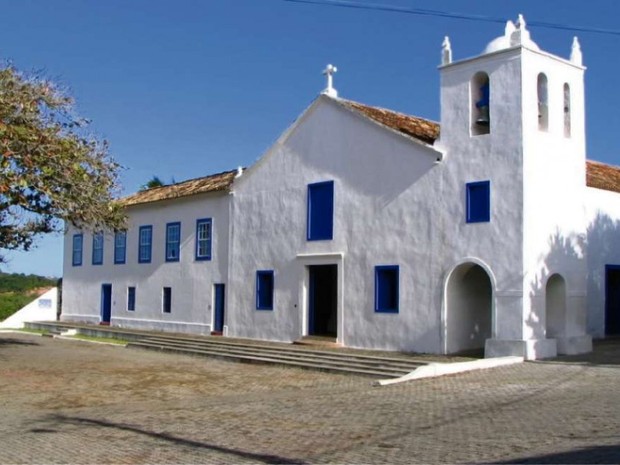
x=155, y=181
x=50, y=170
x=22, y=283
x=16, y=290
x=10, y=303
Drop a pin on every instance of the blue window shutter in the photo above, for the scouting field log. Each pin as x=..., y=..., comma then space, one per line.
x=321, y=211
x=167, y=300
x=478, y=202
x=78, y=240
x=97, y=249
x=387, y=289
x=131, y=299
x=173, y=242
x=120, y=247
x=204, y=232
x=145, y=240
x=264, y=290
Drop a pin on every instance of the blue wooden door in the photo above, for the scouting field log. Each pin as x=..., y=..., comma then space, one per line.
x=106, y=303
x=218, y=319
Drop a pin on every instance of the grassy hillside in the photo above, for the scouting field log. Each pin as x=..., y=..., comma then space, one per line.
x=16, y=290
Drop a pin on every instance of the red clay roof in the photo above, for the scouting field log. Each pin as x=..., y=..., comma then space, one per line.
x=413, y=126
x=213, y=183
x=602, y=176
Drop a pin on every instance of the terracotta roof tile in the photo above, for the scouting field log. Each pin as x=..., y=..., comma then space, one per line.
x=419, y=128
x=213, y=183
x=602, y=176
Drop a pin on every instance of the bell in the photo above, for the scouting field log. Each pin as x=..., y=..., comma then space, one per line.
x=483, y=116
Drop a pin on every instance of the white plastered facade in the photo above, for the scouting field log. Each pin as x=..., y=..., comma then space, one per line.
x=527, y=282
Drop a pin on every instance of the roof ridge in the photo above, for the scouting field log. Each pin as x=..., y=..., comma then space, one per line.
x=421, y=129
x=215, y=182
x=197, y=178
x=602, y=163
x=375, y=107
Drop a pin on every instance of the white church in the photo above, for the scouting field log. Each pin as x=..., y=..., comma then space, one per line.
x=379, y=230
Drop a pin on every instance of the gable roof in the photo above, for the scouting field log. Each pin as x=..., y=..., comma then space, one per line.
x=602, y=176
x=219, y=182
x=419, y=128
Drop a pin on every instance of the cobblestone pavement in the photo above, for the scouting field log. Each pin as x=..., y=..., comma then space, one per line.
x=75, y=402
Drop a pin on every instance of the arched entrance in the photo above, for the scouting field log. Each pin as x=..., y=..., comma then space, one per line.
x=469, y=308
x=555, y=306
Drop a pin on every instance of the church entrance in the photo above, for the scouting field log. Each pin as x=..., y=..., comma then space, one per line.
x=323, y=300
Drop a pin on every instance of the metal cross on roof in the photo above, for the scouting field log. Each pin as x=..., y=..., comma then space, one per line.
x=329, y=72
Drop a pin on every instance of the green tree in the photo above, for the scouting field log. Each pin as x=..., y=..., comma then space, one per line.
x=51, y=169
x=155, y=181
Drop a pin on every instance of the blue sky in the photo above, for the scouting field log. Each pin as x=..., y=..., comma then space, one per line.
x=186, y=88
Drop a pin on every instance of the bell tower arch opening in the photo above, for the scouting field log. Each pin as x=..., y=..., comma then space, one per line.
x=543, y=103
x=469, y=308
x=555, y=306
x=480, y=99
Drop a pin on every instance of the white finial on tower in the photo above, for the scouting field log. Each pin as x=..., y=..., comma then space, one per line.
x=575, y=52
x=520, y=36
x=329, y=72
x=446, y=51
x=509, y=29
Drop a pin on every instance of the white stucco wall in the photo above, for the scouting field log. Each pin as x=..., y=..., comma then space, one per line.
x=603, y=248
x=374, y=224
x=537, y=181
x=496, y=157
x=394, y=205
x=191, y=280
x=554, y=215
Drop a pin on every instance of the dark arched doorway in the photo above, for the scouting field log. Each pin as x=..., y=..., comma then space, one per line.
x=469, y=315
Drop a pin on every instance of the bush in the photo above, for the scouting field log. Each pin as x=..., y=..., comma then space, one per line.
x=10, y=303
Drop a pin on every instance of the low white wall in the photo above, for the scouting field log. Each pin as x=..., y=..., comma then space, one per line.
x=42, y=308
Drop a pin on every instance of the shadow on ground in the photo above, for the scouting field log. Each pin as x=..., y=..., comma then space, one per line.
x=606, y=352
x=7, y=341
x=594, y=454
x=88, y=422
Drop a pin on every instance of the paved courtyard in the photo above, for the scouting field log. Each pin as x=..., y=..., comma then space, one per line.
x=76, y=402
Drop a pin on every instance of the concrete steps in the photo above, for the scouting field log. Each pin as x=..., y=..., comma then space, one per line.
x=334, y=361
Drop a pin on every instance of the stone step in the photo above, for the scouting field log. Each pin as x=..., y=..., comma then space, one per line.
x=334, y=360
x=403, y=362
x=249, y=358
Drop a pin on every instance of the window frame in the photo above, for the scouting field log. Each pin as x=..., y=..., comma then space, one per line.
x=117, y=247
x=260, y=302
x=209, y=241
x=147, y=246
x=472, y=201
x=166, y=299
x=131, y=298
x=311, y=220
x=173, y=246
x=75, y=249
x=97, y=252
x=379, y=289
